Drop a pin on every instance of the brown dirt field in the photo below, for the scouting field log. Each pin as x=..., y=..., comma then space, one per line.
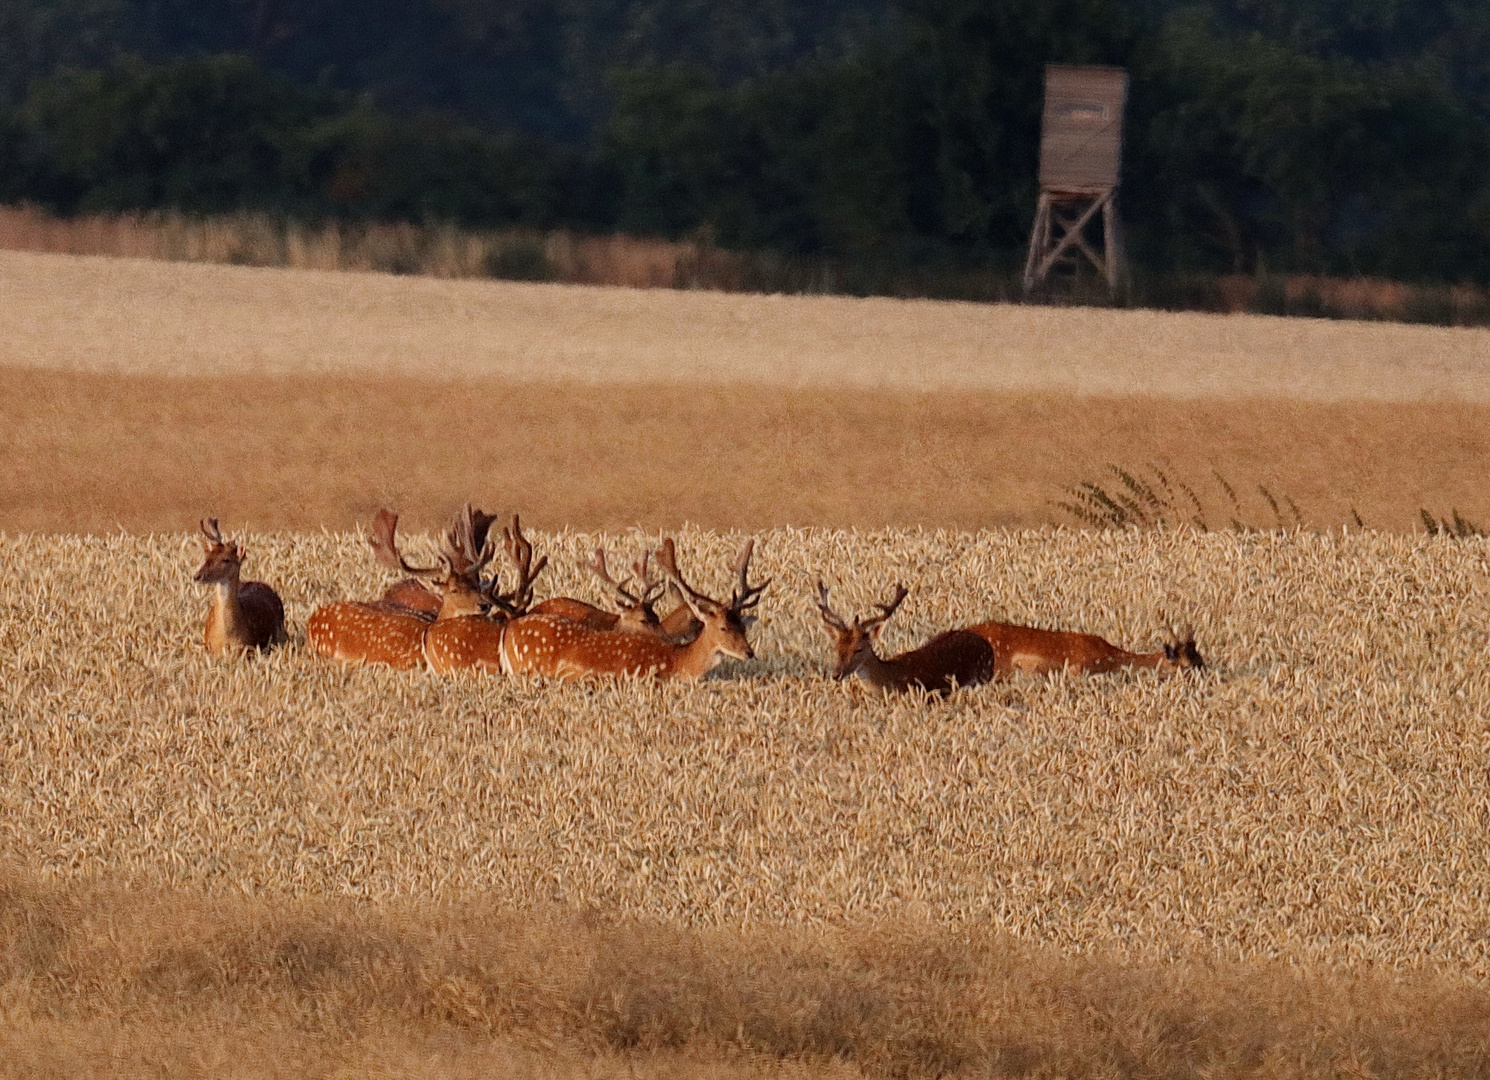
x=97, y=452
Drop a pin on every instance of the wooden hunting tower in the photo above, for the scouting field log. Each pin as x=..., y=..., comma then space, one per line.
x=1081, y=148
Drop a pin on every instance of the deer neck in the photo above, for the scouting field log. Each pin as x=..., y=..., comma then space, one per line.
x=453, y=606
x=1146, y=660
x=873, y=670
x=699, y=657
x=225, y=600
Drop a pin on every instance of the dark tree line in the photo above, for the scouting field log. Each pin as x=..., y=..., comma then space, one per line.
x=1313, y=135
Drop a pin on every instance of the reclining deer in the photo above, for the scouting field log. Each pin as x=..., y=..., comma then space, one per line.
x=1034, y=651
x=949, y=660
x=391, y=632
x=562, y=648
x=245, y=615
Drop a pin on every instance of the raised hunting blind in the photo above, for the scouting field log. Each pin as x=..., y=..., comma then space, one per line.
x=1081, y=148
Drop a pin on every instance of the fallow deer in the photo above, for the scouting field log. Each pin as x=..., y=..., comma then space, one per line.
x=949, y=660
x=1034, y=651
x=637, y=610
x=465, y=537
x=561, y=648
x=380, y=632
x=474, y=642
x=245, y=615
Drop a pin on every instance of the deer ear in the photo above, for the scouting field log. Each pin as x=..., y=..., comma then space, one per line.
x=1171, y=652
x=874, y=631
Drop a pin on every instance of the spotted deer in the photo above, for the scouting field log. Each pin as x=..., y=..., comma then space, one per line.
x=1034, y=651
x=466, y=536
x=245, y=615
x=635, y=610
x=474, y=642
x=949, y=660
x=381, y=632
x=562, y=648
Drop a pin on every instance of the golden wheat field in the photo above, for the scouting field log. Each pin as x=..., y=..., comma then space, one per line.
x=361, y=849
x=142, y=395
x=1319, y=793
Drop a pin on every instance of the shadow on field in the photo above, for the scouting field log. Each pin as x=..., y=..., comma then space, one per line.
x=97, y=453
x=101, y=980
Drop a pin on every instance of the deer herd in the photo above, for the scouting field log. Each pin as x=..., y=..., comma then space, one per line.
x=459, y=615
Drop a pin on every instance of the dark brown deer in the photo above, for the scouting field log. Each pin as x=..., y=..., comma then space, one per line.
x=949, y=660
x=245, y=615
x=1038, y=652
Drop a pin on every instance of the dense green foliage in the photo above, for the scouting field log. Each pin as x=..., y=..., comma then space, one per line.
x=1313, y=135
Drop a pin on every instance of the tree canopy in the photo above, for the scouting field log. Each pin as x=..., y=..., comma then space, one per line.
x=1312, y=135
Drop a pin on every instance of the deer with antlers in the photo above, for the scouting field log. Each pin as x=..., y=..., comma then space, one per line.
x=1038, y=652
x=562, y=648
x=391, y=633
x=474, y=642
x=949, y=660
x=245, y=615
x=466, y=537
x=636, y=605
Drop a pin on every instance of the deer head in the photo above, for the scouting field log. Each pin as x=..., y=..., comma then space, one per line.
x=457, y=578
x=222, y=558
x=637, y=611
x=855, y=642
x=723, y=624
x=1180, y=652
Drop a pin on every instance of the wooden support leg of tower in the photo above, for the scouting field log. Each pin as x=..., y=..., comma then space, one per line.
x=1111, y=246
x=1039, y=242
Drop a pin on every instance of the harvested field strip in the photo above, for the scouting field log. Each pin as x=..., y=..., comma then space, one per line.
x=97, y=453
x=160, y=983
x=126, y=316
x=1319, y=794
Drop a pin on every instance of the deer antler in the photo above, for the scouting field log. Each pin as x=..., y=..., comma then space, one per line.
x=650, y=589
x=746, y=595
x=211, y=531
x=520, y=551
x=385, y=545
x=901, y=592
x=831, y=617
x=467, y=541
x=667, y=559
x=468, y=546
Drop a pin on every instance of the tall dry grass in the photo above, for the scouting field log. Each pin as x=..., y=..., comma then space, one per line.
x=1318, y=794
x=441, y=252
x=103, y=981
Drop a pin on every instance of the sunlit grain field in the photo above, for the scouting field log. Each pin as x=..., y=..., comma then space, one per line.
x=141, y=396
x=1319, y=794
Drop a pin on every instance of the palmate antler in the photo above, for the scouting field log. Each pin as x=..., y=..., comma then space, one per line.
x=468, y=544
x=384, y=542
